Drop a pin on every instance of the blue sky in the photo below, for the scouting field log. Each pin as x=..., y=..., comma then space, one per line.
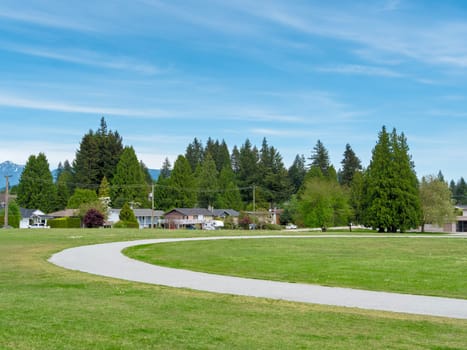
x=164, y=72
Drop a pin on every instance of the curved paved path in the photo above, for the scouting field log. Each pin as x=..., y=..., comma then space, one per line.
x=107, y=260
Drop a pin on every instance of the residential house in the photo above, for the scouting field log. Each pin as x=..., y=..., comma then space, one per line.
x=146, y=217
x=33, y=218
x=187, y=217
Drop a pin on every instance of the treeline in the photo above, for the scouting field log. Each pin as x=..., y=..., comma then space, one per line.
x=311, y=192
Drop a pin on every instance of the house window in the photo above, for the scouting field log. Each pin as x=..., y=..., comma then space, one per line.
x=461, y=226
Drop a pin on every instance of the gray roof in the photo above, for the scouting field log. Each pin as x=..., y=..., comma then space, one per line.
x=27, y=213
x=225, y=212
x=191, y=211
x=148, y=212
x=142, y=212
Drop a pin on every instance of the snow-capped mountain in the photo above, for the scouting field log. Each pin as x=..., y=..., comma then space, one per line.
x=10, y=169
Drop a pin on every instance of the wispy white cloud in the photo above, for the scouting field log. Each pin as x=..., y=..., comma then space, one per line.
x=84, y=57
x=355, y=69
x=8, y=100
x=439, y=41
x=45, y=19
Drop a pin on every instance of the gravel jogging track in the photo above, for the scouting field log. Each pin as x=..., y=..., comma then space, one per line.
x=107, y=260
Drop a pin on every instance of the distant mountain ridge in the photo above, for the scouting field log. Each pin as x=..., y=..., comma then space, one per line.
x=10, y=169
x=15, y=170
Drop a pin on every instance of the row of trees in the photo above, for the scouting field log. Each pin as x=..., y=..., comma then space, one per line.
x=103, y=168
x=386, y=195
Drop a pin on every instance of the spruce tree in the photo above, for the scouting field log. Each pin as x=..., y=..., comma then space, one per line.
x=128, y=184
x=350, y=164
x=296, y=172
x=379, y=182
x=182, y=185
x=229, y=196
x=36, y=189
x=320, y=158
x=406, y=206
x=65, y=186
x=207, y=179
x=162, y=198
x=247, y=170
x=97, y=156
x=392, y=198
x=194, y=154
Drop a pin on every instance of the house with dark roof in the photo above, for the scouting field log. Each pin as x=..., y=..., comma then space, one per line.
x=33, y=218
x=146, y=217
x=187, y=217
x=198, y=217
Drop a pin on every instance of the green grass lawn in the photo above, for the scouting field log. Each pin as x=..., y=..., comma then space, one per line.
x=46, y=307
x=435, y=266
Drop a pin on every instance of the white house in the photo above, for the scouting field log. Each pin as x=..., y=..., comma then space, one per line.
x=144, y=217
x=33, y=218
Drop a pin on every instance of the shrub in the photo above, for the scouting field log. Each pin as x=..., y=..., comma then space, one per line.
x=65, y=223
x=14, y=215
x=127, y=214
x=273, y=227
x=93, y=218
x=126, y=224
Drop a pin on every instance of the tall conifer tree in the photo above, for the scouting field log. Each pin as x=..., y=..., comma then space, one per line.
x=128, y=184
x=36, y=189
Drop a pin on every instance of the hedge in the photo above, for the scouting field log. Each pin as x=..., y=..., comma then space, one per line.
x=125, y=224
x=65, y=223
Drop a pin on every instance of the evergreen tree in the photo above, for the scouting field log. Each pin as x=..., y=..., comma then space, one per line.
x=378, y=208
x=350, y=164
x=234, y=160
x=129, y=184
x=97, y=156
x=104, y=188
x=405, y=194
x=247, y=170
x=392, y=198
x=162, y=193
x=357, y=197
x=86, y=163
x=273, y=178
x=460, y=192
x=182, y=185
x=229, y=197
x=320, y=158
x=36, y=189
x=207, y=178
x=65, y=186
x=127, y=214
x=146, y=174
x=194, y=154
x=296, y=173
x=223, y=157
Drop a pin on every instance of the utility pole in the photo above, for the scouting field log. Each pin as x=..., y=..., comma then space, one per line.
x=6, y=201
x=254, y=199
x=152, y=206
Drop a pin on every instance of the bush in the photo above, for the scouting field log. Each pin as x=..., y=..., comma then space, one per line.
x=14, y=215
x=93, y=218
x=65, y=223
x=126, y=224
x=127, y=214
x=272, y=227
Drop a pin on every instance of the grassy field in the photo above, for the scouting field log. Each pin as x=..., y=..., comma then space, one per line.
x=435, y=266
x=45, y=307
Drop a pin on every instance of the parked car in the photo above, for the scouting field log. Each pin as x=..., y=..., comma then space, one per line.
x=290, y=227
